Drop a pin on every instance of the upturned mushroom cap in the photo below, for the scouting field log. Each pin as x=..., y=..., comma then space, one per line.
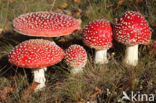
x=98, y=34
x=36, y=53
x=76, y=56
x=132, y=28
x=45, y=24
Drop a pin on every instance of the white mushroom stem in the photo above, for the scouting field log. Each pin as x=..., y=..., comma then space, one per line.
x=39, y=77
x=131, y=55
x=101, y=56
x=76, y=70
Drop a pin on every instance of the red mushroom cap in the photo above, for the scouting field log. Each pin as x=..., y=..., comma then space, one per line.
x=132, y=28
x=45, y=24
x=76, y=56
x=98, y=34
x=36, y=53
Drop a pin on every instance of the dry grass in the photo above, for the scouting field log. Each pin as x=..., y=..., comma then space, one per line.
x=102, y=83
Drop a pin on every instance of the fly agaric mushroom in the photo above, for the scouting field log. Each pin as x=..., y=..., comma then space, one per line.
x=76, y=58
x=98, y=35
x=131, y=29
x=45, y=24
x=36, y=54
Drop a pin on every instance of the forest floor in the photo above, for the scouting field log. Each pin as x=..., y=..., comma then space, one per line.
x=100, y=83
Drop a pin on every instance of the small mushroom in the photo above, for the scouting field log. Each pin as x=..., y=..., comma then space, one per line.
x=36, y=54
x=45, y=24
x=76, y=58
x=131, y=29
x=98, y=35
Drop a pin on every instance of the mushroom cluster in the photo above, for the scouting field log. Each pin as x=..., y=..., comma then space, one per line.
x=130, y=29
x=37, y=54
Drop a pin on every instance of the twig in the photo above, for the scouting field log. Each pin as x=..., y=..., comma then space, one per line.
x=28, y=91
x=53, y=5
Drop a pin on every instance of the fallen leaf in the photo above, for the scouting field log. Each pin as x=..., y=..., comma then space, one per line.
x=64, y=5
x=26, y=94
x=97, y=92
x=13, y=82
x=152, y=47
x=58, y=10
x=79, y=20
x=138, y=1
x=62, y=40
x=1, y=30
x=79, y=102
x=131, y=81
x=67, y=12
x=58, y=83
x=109, y=5
x=77, y=1
x=77, y=14
x=5, y=91
x=11, y=1
x=119, y=4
